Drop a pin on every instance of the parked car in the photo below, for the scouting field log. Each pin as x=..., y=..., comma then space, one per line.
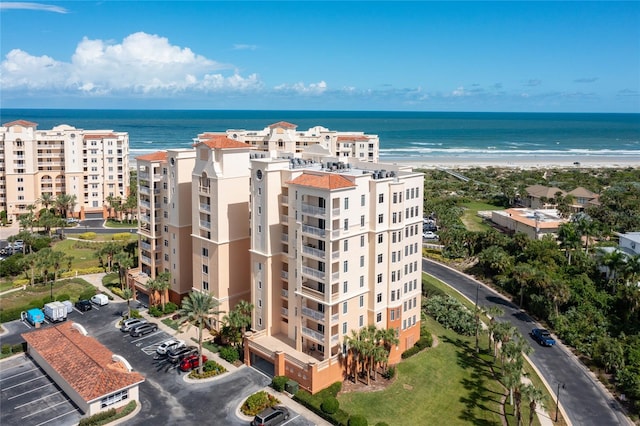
x=430, y=235
x=142, y=329
x=543, y=337
x=190, y=362
x=271, y=416
x=83, y=305
x=169, y=345
x=130, y=323
x=100, y=299
x=176, y=355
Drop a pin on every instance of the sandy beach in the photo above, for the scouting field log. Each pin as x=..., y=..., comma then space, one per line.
x=533, y=162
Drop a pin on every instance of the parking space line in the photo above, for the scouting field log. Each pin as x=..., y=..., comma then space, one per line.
x=19, y=374
x=31, y=402
x=78, y=311
x=290, y=420
x=25, y=324
x=45, y=409
x=15, y=386
x=30, y=390
x=22, y=364
x=57, y=417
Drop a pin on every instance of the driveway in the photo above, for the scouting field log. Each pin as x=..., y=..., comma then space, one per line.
x=165, y=397
x=584, y=398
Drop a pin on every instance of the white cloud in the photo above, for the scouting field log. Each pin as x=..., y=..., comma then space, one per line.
x=32, y=6
x=301, y=89
x=141, y=63
x=459, y=92
x=245, y=46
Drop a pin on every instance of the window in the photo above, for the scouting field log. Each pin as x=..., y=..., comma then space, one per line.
x=259, y=284
x=361, y=321
x=393, y=257
x=380, y=238
x=361, y=281
x=362, y=200
x=259, y=303
x=205, y=285
x=380, y=218
x=205, y=269
x=345, y=245
x=346, y=224
x=395, y=217
x=362, y=261
x=393, y=316
x=166, y=243
x=344, y=307
x=393, y=296
x=361, y=300
x=379, y=298
x=345, y=266
x=362, y=220
x=345, y=287
x=380, y=198
x=114, y=398
x=205, y=252
x=344, y=328
x=395, y=198
x=346, y=203
x=379, y=317
x=379, y=279
x=380, y=258
x=361, y=240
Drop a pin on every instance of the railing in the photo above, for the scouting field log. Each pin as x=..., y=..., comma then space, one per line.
x=146, y=204
x=314, y=210
x=284, y=274
x=335, y=317
x=308, y=229
x=205, y=207
x=335, y=339
x=312, y=292
x=335, y=233
x=284, y=292
x=145, y=246
x=205, y=224
x=285, y=199
x=335, y=212
x=284, y=311
x=284, y=237
x=204, y=189
x=284, y=218
x=144, y=190
x=313, y=251
x=315, y=273
x=316, y=315
x=335, y=255
x=145, y=218
x=313, y=334
x=335, y=276
x=146, y=259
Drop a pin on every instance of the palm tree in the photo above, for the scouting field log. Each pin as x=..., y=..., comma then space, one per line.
x=245, y=308
x=124, y=262
x=233, y=323
x=163, y=280
x=615, y=261
x=127, y=293
x=46, y=199
x=535, y=397
x=569, y=239
x=153, y=287
x=197, y=309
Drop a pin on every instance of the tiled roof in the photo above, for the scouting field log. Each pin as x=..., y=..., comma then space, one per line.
x=583, y=193
x=284, y=125
x=99, y=136
x=539, y=191
x=154, y=156
x=323, y=181
x=222, y=141
x=83, y=362
x=23, y=123
x=353, y=138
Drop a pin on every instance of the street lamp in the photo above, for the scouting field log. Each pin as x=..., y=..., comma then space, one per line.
x=558, y=399
x=51, y=284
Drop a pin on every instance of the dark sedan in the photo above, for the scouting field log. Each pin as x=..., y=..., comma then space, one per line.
x=83, y=305
x=543, y=337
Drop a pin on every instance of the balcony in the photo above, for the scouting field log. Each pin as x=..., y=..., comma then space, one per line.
x=284, y=218
x=335, y=317
x=146, y=204
x=145, y=245
x=284, y=275
x=205, y=207
x=312, y=230
x=284, y=292
x=313, y=273
x=144, y=190
x=313, y=210
x=145, y=218
x=314, y=252
x=284, y=199
x=335, y=339
x=284, y=311
x=311, y=292
x=204, y=189
x=205, y=224
x=145, y=259
x=316, y=335
x=335, y=276
x=316, y=315
x=335, y=212
x=284, y=238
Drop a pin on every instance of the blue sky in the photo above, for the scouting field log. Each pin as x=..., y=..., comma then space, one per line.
x=354, y=55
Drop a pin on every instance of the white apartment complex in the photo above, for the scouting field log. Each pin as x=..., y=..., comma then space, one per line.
x=89, y=164
x=321, y=245
x=284, y=137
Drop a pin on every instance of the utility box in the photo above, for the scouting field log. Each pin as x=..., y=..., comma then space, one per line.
x=55, y=311
x=68, y=305
x=291, y=387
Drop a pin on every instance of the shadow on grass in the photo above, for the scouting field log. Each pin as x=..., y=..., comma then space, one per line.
x=480, y=397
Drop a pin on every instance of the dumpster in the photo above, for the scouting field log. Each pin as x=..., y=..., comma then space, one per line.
x=291, y=387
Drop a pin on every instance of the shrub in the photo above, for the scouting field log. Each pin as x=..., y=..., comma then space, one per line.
x=335, y=388
x=121, y=236
x=87, y=294
x=258, y=402
x=451, y=314
x=410, y=352
x=170, y=308
x=97, y=418
x=229, y=354
x=6, y=349
x=63, y=296
x=135, y=313
x=20, y=282
x=390, y=373
x=279, y=382
x=358, y=420
x=330, y=405
x=209, y=369
x=87, y=236
x=382, y=424
x=117, y=291
x=425, y=342
x=154, y=311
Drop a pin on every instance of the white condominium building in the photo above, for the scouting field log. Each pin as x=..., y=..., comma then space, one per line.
x=88, y=164
x=284, y=137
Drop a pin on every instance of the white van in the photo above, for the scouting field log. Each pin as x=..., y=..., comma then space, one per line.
x=100, y=299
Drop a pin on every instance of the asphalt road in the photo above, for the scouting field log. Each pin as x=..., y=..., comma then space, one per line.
x=584, y=399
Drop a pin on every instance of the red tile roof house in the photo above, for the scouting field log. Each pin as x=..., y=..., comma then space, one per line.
x=90, y=374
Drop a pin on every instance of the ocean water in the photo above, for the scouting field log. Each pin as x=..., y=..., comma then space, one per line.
x=403, y=135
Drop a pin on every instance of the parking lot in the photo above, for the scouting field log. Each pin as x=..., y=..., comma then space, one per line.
x=165, y=394
x=30, y=397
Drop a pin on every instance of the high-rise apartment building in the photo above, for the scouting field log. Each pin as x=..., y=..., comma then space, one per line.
x=322, y=245
x=284, y=137
x=88, y=164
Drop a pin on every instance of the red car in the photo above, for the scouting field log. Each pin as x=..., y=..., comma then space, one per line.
x=191, y=362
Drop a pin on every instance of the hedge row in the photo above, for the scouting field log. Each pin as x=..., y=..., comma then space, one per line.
x=108, y=416
x=209, y=369
x=315, y=402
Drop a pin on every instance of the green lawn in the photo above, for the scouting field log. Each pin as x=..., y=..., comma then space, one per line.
x=41, y=293
x=110, y=223
x=470, y=217
x=82, y=257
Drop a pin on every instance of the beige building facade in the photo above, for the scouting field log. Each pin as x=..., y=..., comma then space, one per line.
x=88, y=164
